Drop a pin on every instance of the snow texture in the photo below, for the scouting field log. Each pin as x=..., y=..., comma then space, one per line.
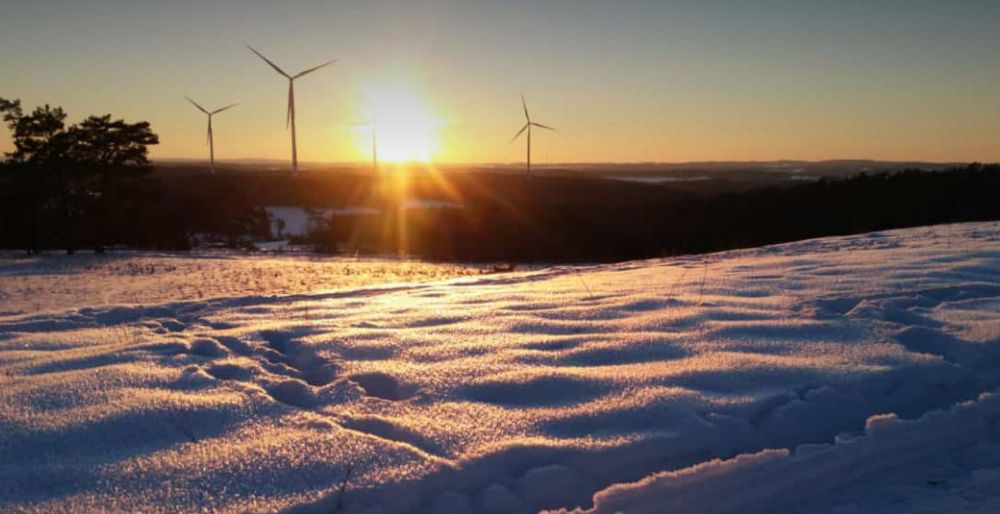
x=60, y=282
x=840, y=375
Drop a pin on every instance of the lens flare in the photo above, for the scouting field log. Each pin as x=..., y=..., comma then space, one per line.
x=405, y=127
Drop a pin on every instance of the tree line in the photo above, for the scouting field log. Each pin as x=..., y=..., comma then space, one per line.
x=91, y=185
x=68, y=185
x=587, y=220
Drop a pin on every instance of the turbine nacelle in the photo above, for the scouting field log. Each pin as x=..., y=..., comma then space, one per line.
x=527, y=126
x=527, y=118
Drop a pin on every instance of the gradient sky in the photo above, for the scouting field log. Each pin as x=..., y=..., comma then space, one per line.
x=625, y=80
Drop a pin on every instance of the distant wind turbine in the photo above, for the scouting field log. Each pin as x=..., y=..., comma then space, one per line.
x=290, y=120
x=374, y=129
x=211, y=138
x=527, y=127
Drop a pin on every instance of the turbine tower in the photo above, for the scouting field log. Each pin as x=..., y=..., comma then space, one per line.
x=290, y=119
x=374, y=129
x=211, y=138
x=527, y=127
x=374, y=146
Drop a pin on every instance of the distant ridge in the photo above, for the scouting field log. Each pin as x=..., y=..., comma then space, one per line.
x=832, y=167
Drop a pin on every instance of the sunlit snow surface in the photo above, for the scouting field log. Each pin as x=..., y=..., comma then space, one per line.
x=59, y=282
x=688, y=385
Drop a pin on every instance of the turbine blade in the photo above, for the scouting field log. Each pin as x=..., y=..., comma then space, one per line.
x=525, y=127
x=525, y=105
x=208, y=139
x=226, y=108
x=268, y=61
x=200, y=108
x=539, y=125
x=314, y=68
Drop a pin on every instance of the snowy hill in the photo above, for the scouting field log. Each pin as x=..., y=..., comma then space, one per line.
x=850, y=374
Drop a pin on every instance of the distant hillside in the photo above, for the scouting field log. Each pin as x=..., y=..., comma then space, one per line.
x=838, y=167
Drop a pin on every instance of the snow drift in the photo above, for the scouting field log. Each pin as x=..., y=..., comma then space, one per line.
x=848, y=374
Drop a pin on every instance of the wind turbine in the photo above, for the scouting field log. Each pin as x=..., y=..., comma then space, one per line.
x=290, y=120
x=527, y=127
x=211, y=138
x=374, y=129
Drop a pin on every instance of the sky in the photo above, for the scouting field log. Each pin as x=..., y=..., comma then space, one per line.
x=621, y=81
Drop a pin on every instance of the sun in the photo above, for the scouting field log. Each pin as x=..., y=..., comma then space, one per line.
x=405, y=128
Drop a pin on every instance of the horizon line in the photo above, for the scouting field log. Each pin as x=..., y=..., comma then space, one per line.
x=357, y=163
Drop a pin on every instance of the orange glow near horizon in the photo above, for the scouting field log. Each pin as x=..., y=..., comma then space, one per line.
x=639, y=82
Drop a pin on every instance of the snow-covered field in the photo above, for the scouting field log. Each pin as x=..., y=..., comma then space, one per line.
x=845, y=375
x=60, y=282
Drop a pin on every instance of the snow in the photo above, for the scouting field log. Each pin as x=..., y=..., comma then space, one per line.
x=417, y=203
x=747, y=483
x=848, y=374
x=296, y=219
x=60, y=282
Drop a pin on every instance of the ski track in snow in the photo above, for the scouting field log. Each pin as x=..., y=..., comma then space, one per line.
x=848, y=374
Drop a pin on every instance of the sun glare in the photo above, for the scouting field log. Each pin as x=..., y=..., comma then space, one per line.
x=406, y=129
